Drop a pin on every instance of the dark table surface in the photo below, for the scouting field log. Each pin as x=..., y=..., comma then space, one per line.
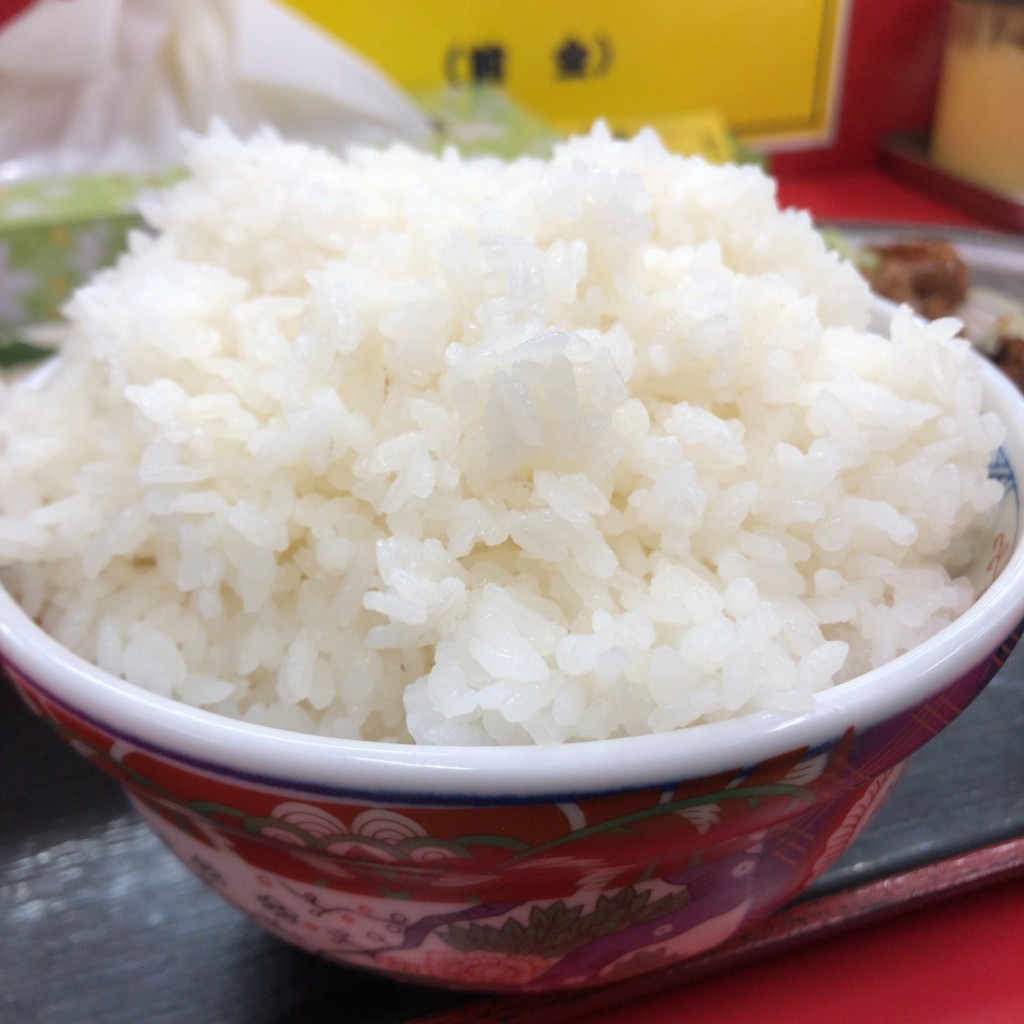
x=101, y=925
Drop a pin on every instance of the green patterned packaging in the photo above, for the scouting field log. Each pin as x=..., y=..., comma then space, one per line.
x=54, y=234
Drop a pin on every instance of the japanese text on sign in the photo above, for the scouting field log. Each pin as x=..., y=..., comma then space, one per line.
x=770, y=69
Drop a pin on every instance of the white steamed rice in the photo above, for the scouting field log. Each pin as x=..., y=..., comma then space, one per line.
x=450, y=451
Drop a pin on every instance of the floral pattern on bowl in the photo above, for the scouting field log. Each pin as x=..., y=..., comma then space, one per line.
x=514, y=895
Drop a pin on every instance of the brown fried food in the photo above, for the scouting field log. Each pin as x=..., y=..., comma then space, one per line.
x=1010, y=359
x=928, y=275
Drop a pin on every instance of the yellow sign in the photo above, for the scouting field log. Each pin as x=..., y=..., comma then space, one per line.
x=769, y=67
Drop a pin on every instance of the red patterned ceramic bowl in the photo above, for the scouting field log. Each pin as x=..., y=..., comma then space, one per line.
x=530, y=868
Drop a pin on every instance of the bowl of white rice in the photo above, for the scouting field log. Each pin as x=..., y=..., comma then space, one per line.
x=510, y=575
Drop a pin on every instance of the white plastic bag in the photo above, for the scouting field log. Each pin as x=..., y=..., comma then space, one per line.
x=92, y=86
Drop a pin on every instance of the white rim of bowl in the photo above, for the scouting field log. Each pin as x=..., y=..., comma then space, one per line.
x=425, y=774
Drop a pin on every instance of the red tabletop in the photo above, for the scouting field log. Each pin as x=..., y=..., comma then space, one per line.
x=9, y=8
x=869, y=195
x=956, y=962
